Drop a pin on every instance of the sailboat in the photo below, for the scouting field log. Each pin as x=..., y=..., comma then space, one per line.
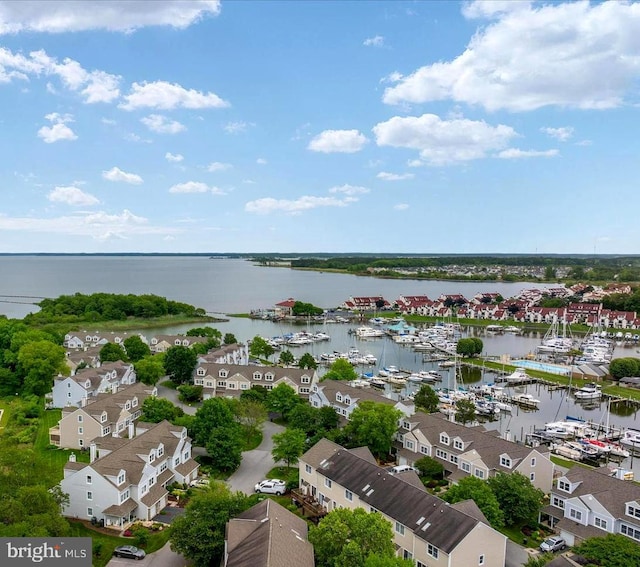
x=556, y=342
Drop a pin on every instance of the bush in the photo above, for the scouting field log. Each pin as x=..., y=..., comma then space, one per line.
x=97, y=548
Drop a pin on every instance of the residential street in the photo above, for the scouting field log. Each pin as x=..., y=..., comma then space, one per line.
x=172, y=395
x=164, y=557
x=257, y=463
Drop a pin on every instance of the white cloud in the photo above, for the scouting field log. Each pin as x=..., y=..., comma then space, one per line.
x=375, y=41
x=338, y=141
x=415, y=163
x=561, y=134
x=270, y=205
x=394, y=176
x=536, y=55
x=237, y=127
x=108, y=121
x=261, y=161
x=100, y=225
x=117, y=175
x=58, y=16
x=401, y=207
x=218, y=166
x=173, y=158
x=161, y=124
x=166, y=96
x=515, y=153
x=349, y=190
x=133, y=137
x=72, y=196
x=195, y=187
x=443, y=141
x=58, y=130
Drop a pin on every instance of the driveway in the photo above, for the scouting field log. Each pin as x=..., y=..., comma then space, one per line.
x=172, y=395
x=516, y=555
x=164, y=557
x=257, y=463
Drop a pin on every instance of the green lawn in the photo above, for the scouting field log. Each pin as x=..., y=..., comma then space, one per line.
x=290, y=474
x=54, y=459
x=4, y=407
x=252, y=440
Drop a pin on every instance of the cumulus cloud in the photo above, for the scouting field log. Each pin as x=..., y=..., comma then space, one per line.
x=293, y=207
x=166, y=96
x=58, y=130
x=349, y=190
x=93, y=86
x=571, y=46
x=117, y=175
x=195, y=187
x=218, y=166
x=162, y=125
x=72, y=196
x=59, y=16
x=443, y=141
x=515, y=153
x=387, y=176
x=338, y=141
x=561, y=134
x=173, y=158
x=401, y=207
x=261, y=161
x=375, y=41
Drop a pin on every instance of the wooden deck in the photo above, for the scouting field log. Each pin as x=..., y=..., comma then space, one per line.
x=311, y=508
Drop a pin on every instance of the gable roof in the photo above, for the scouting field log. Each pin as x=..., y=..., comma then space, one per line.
x=113, y=404
x=429, y=517
x=268, y=535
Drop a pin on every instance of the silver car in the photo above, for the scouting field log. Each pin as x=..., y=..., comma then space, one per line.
x=553, y=543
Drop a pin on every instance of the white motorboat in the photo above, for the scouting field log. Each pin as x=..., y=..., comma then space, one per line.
x=525, y=400
x=518, y=376
x=631, y=438
x=588, y=392
x=365, y=332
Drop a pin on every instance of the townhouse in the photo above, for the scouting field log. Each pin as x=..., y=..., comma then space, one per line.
x=588, y=503
x=230, y=380
x=107, y=415
x=345, y=398
x=227, y=354
x=78, y=389
x=426, y=529
x=267, y=535
x=126, y=478
x=161, y=343
x=465, y=451
x=366, y=303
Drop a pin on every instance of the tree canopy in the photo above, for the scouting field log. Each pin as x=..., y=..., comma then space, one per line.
x=288, y=446
x=260, y=348
x=346, y=538
x=179, y=363
x=155, y=410
x=469, y=347
x=613, y=550
x=136, y=348
x=519, y=500
x=150, y=369
x=373, y=424
x=471, y=487
x=426, y=399
x=307, y=361
x=111, y=352
x=282, y=399
x=341, y=369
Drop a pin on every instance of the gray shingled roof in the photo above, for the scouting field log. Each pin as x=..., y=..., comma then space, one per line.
x=246, y=371
x=332, y=387
x=268, y=535
x=113, y=404
x=429, y=517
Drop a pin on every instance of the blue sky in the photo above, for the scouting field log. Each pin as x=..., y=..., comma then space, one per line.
x=406, y=127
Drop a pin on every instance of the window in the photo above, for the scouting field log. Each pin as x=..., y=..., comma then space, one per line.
x=444, y=438
x=633, y=511
x=304, y=390
x=89, y=495
x=348, y=495
x=479, y=473
x=90, y=512
x=453, y=459
x=268, y=377
x=103, y=418
x=244, y=386
x=127, y=406
x=406, y=425
x=80, y=419
x=466, y=467
x=152, y=480
x=327, y=482
x=176, y=461
x=134, y=402
x=257, y=376
x=223, y=373
x=89, y=479
x=409, y=445
x=106, y=430
x=80, y=431
x=163, y=467
x=338, y=397
x=575, y=514
x=406, y=554
x=564, y=485
x=432, y=550
x=458, y=444
x=68, y=394
x=630, y=531
x=532, y=476
x=186, y=456
x=505, y=462
x=481, y=560
x=425, y=450
x=124, y=496
x=533, y=461
x=600, y=523
x=161, y=450
x=399, y=528
x=441, y=454
x=80, y=443
x=308, y=469
x=121, y=478
x=557, y=502
x=306, y=380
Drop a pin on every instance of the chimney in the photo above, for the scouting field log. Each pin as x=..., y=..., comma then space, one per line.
x=132, y=430
x=93, y=451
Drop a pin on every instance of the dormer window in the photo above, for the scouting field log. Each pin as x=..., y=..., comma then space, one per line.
x=406, y=425
x=127, y=405
x=633, y=510
x=268, y=376
x=458, y=444
x=306, y=379
x=160, y=450
x=103, y=417
x=444, y=438
x=505, y=461
x=176, y=342
x=185, y=342
x=564, y=485
x=338, y=397
x=134, y=402
x=121, y=478
x=347, y=400
x=257, y=376
x=223, y=373
x=152, y=456
x=200, y=372
x=87, y=384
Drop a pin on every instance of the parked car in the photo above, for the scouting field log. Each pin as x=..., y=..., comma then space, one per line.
x=129, y=551
x=553, y=543
x=199, y=482
x=271, y=486
x=402, y=468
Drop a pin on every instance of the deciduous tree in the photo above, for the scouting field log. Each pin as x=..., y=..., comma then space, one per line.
x=260, y=348
x=426, y=399
x=288, y=446
x=613, y=550
x=282, y=399
x=150, y=369
x=179, y=363
x=111, y=352
x=473, y=488
x=286, y=358
x=38, y=363
x=155, y=410
x=136, y=348
x=519, y=500
x=373, y=424
x=341, y=369
x=307, y=361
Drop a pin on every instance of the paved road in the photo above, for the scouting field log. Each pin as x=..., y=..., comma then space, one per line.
x=172, y=395
x=164, y=557
x=257, y=463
